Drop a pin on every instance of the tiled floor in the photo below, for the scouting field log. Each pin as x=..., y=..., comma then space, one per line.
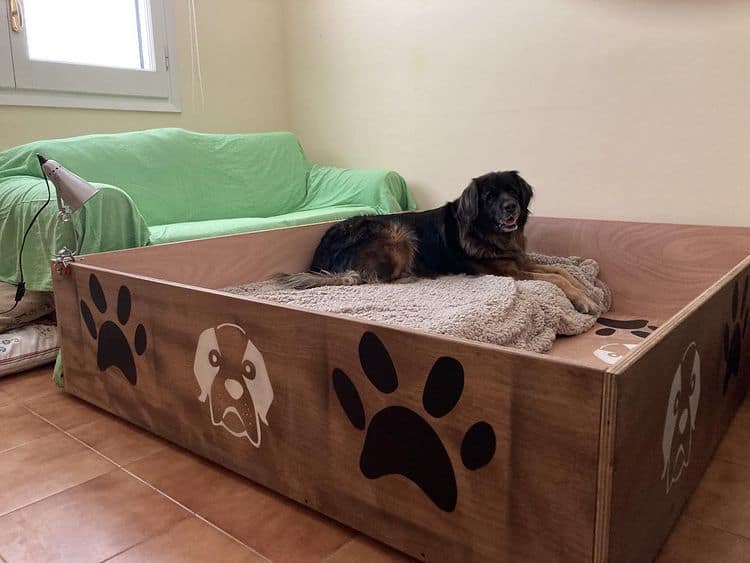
x=80, y=485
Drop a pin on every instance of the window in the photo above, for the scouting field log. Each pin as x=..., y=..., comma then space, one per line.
x=87, y=53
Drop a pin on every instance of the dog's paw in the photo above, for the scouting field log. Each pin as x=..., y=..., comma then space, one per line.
x=401, y=441
x=584, y=304
x=114, y=349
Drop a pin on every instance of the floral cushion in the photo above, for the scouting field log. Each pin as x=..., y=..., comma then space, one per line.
x=28, y=347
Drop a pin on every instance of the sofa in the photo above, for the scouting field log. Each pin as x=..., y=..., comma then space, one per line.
x=160, y=186
x=167, y=185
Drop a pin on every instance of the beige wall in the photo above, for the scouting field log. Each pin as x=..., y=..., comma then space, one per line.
x=241, y=51
x=625, y=109
x=620, y=109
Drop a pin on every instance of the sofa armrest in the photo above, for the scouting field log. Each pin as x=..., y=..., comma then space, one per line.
x=383, y=190
x=108, y=221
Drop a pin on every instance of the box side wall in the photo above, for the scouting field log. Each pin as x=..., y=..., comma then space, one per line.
x=219, y=262
x=531, y=497
x=654, y=270
x=674, y=403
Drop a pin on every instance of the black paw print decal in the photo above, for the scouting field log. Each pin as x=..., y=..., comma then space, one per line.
x=735, y=332
x=401, y=442
x=637, y=327
x=113, y=348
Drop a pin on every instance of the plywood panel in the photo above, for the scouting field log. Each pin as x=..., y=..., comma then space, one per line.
x=601, y=349
x=220, y=261
x=675, y=401
x=531, y=498
x=653, y=269
x=579, y=445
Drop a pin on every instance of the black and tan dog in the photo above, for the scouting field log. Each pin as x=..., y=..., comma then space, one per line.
x=479, y=233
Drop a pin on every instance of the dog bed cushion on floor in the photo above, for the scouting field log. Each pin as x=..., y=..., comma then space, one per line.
x=491, y=309
x=34, y=305
x=28, y=347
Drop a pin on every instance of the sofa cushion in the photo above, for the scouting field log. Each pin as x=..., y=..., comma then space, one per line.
x=201, y=229
x=174, y=175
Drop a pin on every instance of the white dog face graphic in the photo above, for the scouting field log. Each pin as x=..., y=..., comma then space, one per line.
x=233, y=378
x=613, y=353
x=679, y=424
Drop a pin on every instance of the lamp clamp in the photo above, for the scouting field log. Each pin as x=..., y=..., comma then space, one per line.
x=63, y=259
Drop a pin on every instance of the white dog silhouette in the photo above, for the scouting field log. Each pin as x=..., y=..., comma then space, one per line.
x=679, y=424
x=232, y=375
x=613, y=352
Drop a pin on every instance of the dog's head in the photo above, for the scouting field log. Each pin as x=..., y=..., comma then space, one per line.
x=613, y=352
x=497, y=202
x=233, y=378
x=679, y=423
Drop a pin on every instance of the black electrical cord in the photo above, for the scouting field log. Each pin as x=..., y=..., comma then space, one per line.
x=21, y=287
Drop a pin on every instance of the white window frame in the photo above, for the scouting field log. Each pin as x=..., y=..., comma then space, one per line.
x=25, y=82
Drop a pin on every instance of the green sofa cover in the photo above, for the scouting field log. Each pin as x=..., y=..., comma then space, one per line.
x=166, y=185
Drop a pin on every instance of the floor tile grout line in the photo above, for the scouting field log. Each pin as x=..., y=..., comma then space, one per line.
x=3, y=515
x=14, y=398
x=33, y=398
x=23, y=406
x=727, y=460
x=198, y=516
x=339, y=548
x=74, y=437
x=155, y=489
x=142, y=541
x=715, y=527
x=223, y=531
x=159, y=491
x=7, y=450
x=191, y=511
x=116, y=466
x=54, y=391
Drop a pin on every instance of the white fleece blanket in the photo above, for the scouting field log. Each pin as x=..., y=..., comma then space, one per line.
x=496, y=310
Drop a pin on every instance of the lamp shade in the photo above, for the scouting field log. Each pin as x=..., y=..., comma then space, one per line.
x=72, y=191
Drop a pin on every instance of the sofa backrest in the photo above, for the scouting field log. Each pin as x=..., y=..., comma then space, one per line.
x=174, y=175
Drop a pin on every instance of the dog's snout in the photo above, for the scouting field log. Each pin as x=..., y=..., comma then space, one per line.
x=234, y=388
x=510, y=207
x=683, y=421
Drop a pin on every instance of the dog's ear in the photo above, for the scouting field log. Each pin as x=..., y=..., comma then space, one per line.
x=527, y=192
x=468, y=204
